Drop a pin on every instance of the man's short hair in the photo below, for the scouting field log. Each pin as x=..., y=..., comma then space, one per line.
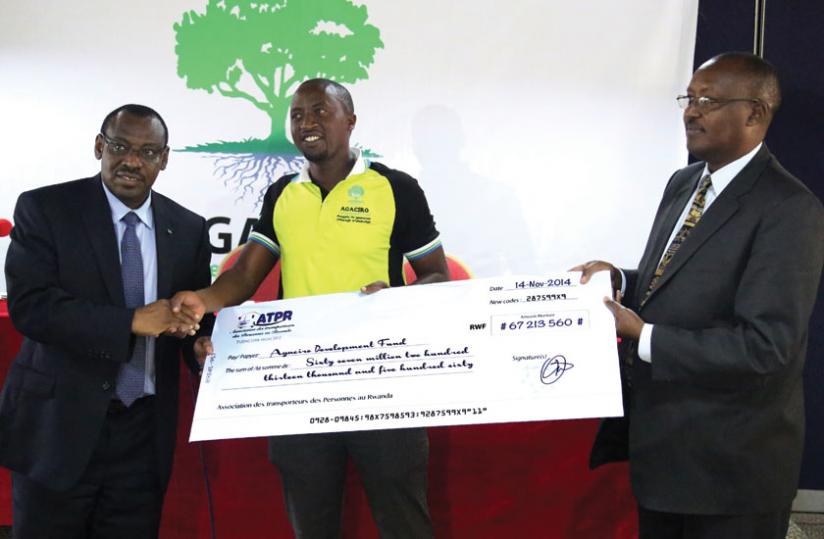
x=137, y=110
x=340, y=91
x=762, y=75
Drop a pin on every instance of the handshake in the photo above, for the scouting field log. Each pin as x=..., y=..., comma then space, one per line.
x=178, y=317
x=159, y=317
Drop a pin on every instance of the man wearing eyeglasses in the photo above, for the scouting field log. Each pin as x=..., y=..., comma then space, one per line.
x=89, y=408
x=714, y=321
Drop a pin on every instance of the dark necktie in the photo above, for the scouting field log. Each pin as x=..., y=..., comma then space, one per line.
x=694, y=215
x=131, y=378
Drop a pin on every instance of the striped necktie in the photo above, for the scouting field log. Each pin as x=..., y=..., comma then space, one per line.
x=694, y=215
x=132, y=374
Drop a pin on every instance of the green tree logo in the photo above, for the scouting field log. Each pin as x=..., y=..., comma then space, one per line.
x=260, y=52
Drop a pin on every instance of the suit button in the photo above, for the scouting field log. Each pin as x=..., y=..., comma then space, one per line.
x=107, y=356
x=106, y=386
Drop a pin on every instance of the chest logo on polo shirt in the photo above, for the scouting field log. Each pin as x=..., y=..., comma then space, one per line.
x=356, y=193
x=355, y=211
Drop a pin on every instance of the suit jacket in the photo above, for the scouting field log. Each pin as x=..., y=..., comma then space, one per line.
x=716, y=421
x=66, y=298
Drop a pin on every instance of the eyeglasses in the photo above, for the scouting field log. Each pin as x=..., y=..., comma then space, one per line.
x=149, y=154
x=705, y=103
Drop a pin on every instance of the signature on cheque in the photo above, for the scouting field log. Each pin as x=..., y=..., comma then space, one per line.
x=554, y=368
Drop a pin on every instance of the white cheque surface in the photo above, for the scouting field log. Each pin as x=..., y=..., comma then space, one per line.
x=519, y=348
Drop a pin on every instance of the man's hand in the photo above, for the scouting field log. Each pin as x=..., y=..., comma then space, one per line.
x=371, y=288
x=593, y=266
x=188, y=304
x=628, y=325
x=155, y=318
x=202, y=348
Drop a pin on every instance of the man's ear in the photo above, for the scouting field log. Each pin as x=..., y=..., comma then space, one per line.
x=759, y=113
x=164, y=158
x=98, y=147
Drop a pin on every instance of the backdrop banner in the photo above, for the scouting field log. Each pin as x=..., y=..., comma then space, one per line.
x=542, y=132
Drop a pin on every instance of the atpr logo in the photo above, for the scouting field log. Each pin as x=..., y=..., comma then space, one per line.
x=263, y=319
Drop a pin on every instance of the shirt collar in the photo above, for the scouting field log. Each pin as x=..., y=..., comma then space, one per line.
x=722, y=177
x=359, y=167
x=119, y=210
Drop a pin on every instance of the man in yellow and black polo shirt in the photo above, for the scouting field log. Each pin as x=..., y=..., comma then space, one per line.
x=342, y=224
x=356, y=232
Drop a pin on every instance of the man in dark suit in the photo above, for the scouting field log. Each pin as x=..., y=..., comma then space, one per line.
x=89, y=408
x=715, y=319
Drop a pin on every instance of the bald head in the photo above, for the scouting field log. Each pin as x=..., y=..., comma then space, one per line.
x=758, y=75
x=332, y=88
x=742, y=94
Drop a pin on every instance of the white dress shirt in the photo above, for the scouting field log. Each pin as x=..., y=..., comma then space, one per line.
x=148, y=251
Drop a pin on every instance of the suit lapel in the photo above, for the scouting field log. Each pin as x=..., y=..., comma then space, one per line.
x=164, y=242
x=97, y=218
x=719, y=212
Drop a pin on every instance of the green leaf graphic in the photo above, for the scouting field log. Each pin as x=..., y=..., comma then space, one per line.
x=261, y=52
